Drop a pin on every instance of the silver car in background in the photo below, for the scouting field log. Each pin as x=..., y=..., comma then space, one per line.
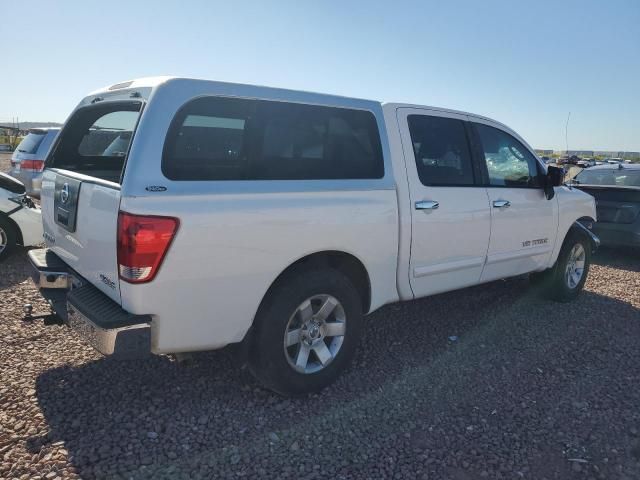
x=27, y=162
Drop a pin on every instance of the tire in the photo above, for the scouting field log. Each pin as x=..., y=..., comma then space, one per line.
x=8, y=238
x=557, y=283
x=293, y=314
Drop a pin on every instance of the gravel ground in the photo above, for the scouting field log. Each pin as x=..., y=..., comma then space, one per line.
x=528, y=389
x=5, y=162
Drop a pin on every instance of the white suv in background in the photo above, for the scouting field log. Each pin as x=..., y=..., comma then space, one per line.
x=27, y=162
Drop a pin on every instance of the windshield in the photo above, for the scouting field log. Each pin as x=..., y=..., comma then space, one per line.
x=614, y=177
x=31, y=142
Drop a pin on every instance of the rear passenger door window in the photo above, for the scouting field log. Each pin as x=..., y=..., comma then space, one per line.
x=509, y=163
x=441, y=151
x=214, y=138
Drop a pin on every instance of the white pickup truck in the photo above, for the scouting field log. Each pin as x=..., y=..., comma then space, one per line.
x=184, y=215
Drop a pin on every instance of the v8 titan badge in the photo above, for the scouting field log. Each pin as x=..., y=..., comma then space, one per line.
x=533, y=243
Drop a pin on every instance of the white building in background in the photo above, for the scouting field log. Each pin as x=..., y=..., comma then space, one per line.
x=629, y=155
x=579, y=153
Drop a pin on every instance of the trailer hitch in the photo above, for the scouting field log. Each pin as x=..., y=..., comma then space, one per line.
x=51, y=318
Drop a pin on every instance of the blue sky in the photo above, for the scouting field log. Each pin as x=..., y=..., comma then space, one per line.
x=526, y=64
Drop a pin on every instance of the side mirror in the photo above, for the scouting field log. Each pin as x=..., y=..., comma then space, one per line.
x=554, y=178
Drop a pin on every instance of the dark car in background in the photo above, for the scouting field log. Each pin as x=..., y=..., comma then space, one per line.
x=616, y=188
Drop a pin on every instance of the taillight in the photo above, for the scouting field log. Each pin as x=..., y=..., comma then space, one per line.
x=143, y=242
x=32, y=165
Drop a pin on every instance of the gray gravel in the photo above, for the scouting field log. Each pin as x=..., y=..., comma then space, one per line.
x=528, y=389
x=5, y=162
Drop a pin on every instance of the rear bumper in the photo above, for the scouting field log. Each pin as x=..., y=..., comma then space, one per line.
x=48, y=271
x=85, y=309
x=106, y=326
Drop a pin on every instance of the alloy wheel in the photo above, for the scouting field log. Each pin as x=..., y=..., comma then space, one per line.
x=575, y=266
x=315, y=333
x=4, y=239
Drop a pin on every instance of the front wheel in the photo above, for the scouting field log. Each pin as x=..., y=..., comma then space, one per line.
x=565, y=280
x=306, y=332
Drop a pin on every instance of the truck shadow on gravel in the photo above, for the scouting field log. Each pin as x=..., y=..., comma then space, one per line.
x=461, y=385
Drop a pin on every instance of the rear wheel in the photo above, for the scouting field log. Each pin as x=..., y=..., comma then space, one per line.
x=565, y=280
x=306, y=332
x=8, y=237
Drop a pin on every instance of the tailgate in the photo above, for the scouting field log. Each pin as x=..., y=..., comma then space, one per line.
x=81, y=189
x=80, y=220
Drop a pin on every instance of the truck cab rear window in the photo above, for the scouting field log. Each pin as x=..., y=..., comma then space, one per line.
x=96, y=140
x=215, y=138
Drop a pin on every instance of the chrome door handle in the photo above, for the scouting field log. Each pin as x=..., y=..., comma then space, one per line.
x=501, y=203
x=427, y=205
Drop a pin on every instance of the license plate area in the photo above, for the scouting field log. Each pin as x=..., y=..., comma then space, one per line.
x=65, y=203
